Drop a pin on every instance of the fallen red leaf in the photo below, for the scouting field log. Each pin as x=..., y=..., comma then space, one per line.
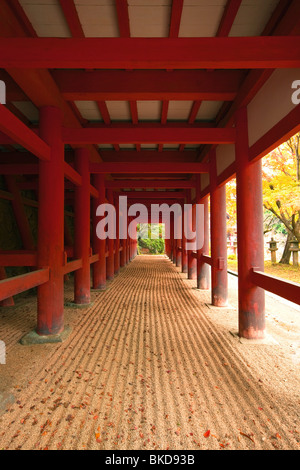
x=207, y=433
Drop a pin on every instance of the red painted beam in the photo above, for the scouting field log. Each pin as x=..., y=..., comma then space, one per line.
x=149, y=156
x=72, y=266
x=206, y=259
x=94, y=258
x=167, y=184
x=77, y=85
x=123, y=18
x=72, y=175
x=149, y=202
x=177, y=6
x=228, y=18
x=144, y=168
x=143, y=53
x=288, y=290
x=22, y=18
x=163, y=135
x=72, y=18
x=22, y=135
x=16, y=285
x=17, y=169
x=153, y=194
x=18, y=258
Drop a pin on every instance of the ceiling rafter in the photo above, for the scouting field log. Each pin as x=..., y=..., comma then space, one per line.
x=72, y=18
x=123, y=18
x=231, y=10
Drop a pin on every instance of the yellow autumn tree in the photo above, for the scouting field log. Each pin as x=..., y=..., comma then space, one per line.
x=281, y=187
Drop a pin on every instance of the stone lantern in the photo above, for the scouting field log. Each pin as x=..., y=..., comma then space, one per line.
x=273, y=248
x=294, y=248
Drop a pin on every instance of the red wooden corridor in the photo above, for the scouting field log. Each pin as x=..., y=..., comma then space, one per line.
x=160, y=101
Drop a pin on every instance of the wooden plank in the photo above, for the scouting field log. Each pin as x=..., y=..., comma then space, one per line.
x=151, y=53
x=16, y=285
x=288, y=290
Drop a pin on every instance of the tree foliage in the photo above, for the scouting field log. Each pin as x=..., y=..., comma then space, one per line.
x=281, y=184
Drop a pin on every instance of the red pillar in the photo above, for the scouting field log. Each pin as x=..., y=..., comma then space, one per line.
x=127, y=243
x=51, y=225
x=250, y=234
x=99, y=246
x=203, y=274
x=219, y=280
x=192, y=262
x=184, y=254
x=172, y=240
x=178, y=241
x=82, y=279
x=117, y=242
x=110, y=260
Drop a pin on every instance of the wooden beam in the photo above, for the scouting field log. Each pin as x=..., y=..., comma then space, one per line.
x=158, y=184
x=72, y=18
x=18, y=258
x=231, y=10
x=132, y=168
x=177, y=6
x=123, y=18
x=153, y=194
x=288, y=290
x=144, y=53
x=149, y=156
x=77, y=85
x=140, y=135
x=21, y=134
x=16, y=285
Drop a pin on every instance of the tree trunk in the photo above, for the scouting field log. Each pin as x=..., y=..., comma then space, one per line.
x=286, y=255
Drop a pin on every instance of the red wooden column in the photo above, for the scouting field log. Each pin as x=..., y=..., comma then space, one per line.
x=117, y=242
x=184, y=254
x=110, y=260
x=219, y=279
x=82, y=278
x=123, y=241
x=172, y=240
x=50, y=319
x=99, y=246
x=192, y=262
x=249, y=233
x=203, y=275
x=178, y=241
x=127, y=242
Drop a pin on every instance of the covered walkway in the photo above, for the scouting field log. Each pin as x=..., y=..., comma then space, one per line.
x=147, y=366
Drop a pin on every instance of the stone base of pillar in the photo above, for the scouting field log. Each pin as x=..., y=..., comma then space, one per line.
x=75, y=305
x=33, y=338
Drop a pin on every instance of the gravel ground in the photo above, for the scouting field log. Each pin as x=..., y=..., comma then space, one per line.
x=151, y=365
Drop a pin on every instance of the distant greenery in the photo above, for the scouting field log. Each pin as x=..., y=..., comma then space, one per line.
x=149, y=238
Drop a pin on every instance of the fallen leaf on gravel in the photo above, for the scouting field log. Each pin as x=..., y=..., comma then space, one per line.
x=207, y=433
x=246, y=435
